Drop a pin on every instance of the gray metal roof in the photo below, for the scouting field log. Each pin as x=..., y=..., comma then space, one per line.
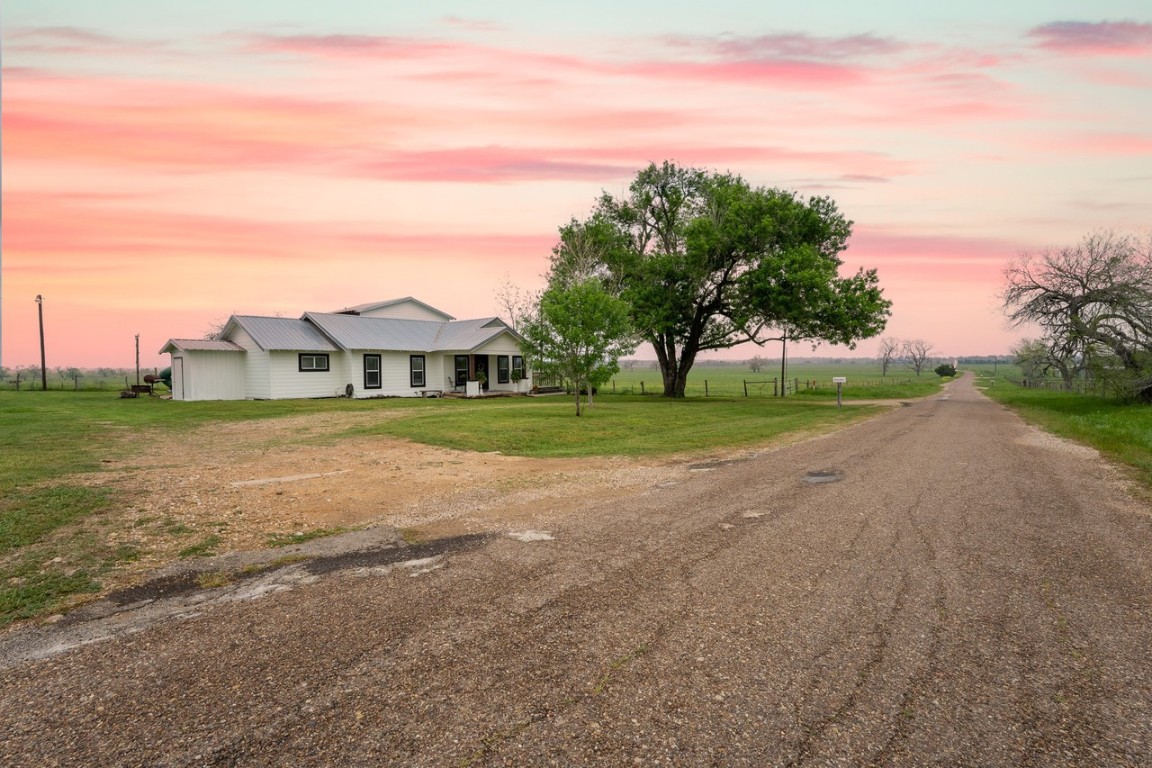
x=470, y=334
x=283, y=333
x=200, y=345
x=356, y=332
x=387, y=334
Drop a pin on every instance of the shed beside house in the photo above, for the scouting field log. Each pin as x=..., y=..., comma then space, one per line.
x=400, y=348
x=205, y=369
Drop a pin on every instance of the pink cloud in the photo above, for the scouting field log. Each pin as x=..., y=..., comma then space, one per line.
x=790, y=46
x=932, y=259
x=379, y=47
x=486, y=164
x=106, y=121
x=1103, y=38
x=72, y=40
x=781, y=73
x=1123, y=144
x=502, y=164
x=111, y=235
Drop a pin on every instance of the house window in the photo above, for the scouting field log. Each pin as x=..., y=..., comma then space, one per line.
x=517, y=367
x=416, y=370
x=313, y=362
x=501, y=369
x=461, y=370
x=372, y=372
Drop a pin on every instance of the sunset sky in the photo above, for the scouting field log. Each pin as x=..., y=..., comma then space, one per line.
x=166, y=164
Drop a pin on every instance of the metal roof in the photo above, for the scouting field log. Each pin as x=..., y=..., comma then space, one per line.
x=382, y=333
x=283, y=333
x=200, y=345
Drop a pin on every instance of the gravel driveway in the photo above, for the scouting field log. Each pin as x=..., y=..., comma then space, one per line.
x=940, y=586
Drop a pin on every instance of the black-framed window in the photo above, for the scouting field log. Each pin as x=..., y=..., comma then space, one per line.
x=518, y=367
x=462, y=370
x=372, y=378
x=502, y=369
x=310, y=362
x=416, y=370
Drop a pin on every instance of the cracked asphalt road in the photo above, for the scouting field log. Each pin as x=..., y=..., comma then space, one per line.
x=941, y=585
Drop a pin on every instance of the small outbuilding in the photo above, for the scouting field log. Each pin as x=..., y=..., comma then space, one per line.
x=402, y=347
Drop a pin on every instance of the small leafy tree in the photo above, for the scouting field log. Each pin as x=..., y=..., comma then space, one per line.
x=945, y=369
x=579, y=333
x=756, y=363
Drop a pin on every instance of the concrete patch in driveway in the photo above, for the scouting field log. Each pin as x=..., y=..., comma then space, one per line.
x=527, y=536
x=818, y=476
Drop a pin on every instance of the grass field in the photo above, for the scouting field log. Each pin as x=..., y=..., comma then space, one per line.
x=812, y=380
x=58, y=533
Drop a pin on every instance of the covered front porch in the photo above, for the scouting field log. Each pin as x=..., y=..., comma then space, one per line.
x=479, y=374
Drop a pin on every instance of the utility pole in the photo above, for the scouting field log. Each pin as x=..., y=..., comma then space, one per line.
x=43, y=364
x=783, y=358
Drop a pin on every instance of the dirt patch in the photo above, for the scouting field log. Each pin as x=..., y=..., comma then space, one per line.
x=232, y=487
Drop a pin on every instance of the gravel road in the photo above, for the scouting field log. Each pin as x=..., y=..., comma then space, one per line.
x=939, y=586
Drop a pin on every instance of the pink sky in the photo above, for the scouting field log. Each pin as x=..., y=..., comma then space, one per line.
x=163, y=170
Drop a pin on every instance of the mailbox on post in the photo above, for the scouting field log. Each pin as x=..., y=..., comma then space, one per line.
x=839, y=381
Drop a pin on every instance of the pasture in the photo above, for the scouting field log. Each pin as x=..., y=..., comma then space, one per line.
x=806, y=379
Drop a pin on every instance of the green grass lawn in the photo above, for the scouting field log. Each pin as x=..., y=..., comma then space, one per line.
x=58, y=531
x=621, y=425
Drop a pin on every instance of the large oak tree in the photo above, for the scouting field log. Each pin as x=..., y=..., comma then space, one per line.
x=1093, y=302
x=705, y=261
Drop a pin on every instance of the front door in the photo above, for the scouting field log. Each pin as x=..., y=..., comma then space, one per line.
x=480, y=365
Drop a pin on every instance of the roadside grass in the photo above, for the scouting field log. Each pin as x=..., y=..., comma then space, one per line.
x=1121, y=431
x=61, y=533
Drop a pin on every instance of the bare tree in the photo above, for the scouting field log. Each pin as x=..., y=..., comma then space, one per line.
x=756, y=363
x=917, y=351
x=515, y=304
x=889, y=350
x=1093, y=302
x=215, y=329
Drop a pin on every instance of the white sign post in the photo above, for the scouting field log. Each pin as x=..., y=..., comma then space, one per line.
x=839, y=381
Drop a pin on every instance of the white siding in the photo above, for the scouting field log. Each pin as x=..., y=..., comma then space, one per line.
x=257, y=376
x=210, y=375
x=405, y=311
x=396, y=375
x=288, y=381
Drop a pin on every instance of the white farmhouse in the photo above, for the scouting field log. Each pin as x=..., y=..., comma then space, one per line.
x=401, y=348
